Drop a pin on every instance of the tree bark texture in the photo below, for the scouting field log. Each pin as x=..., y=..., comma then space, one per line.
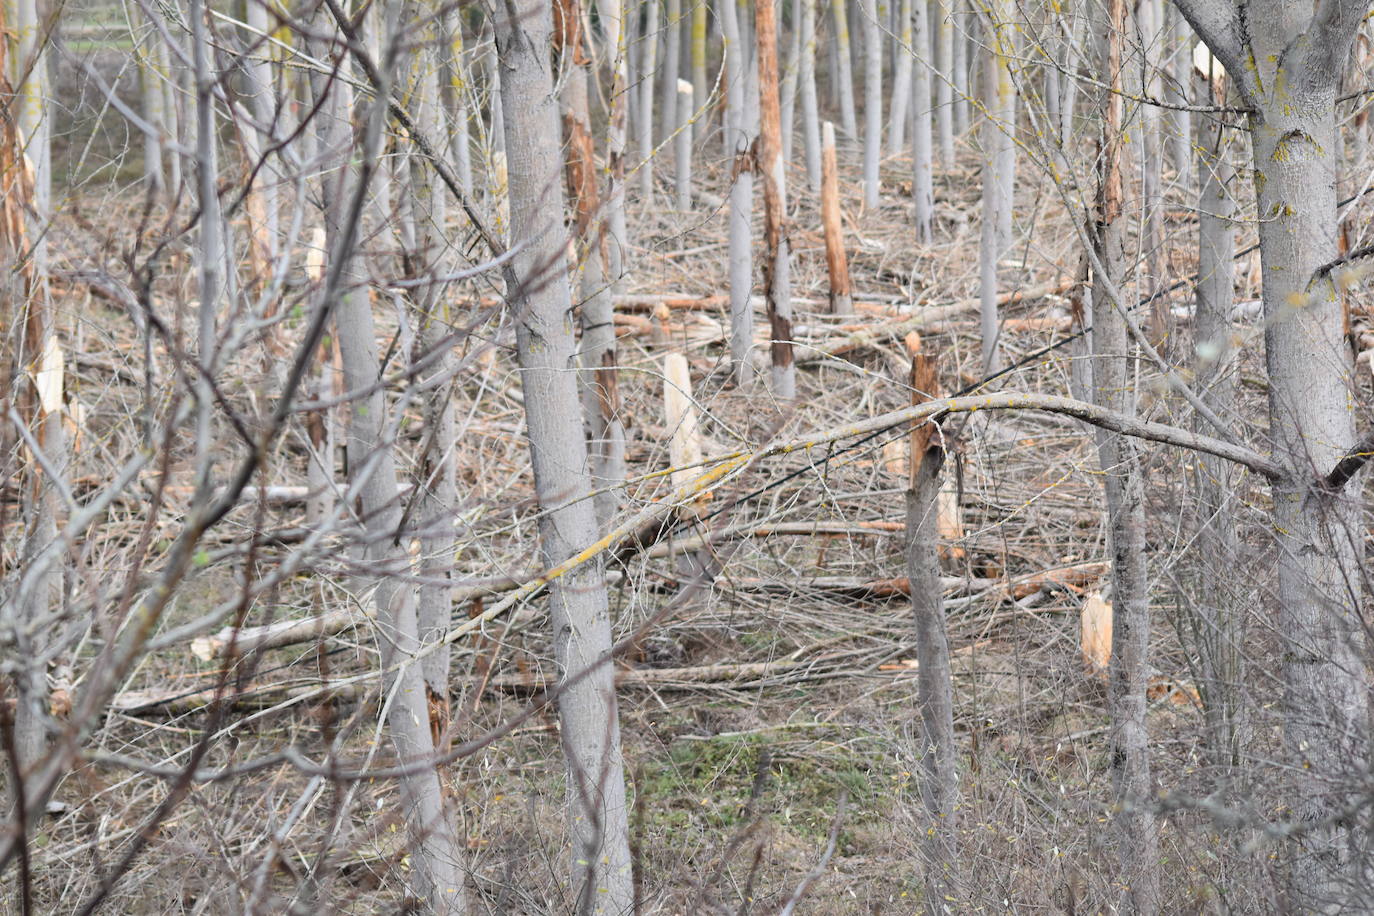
x=435, y=848
x=777, y=263
x=541, y=304
x=1286, y=61
x=1136, y=833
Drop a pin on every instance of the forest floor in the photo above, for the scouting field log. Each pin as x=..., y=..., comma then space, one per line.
x=739, y=775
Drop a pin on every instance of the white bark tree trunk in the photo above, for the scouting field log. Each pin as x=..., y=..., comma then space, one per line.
x=740, y=130
x=1287, y=61
x=907, y=46
x=436, y=850
x=811, y=124
x=873, y=101
x=844, y=80
x=541, y=303
x=923, y=180
x=1136, y=834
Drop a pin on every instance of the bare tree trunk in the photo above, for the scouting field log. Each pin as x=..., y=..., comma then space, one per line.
x=961, y=75
x=1136, y=835
x=436, y=482
x=836, y=259
x=923, y=181
x=648, y=72
x=844, y=80
x=908, y=45
x=617, y=233
x=1220, y=618
x=32, y=392
x=453, y=91
x=934, y=744
x=1178, y=72
x=683, y=142
x=436, y=851
x=811, y=124
x=873, y=101
x=789, y=80
x=668, y=116
x=739, y=134
x=598, y=369
x=1287, y=61
x=540, y=301
x=1001, y=95
x=944, y=76
x=701, y=86
x=777, y=264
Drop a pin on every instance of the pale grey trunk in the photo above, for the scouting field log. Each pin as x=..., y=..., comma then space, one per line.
x=1152, y=170
x=1287, y=62
x=777, y=270
x=263, y=134
x=648, y=72
x=1219, y=616
x=1312, y=424
x=701, y=86
x=934, y=747
x=989, y=253
x=436, y=483
x=789, y=78
x=435, y=849
x=909, y=44
x=668, y=116
x=1001, y=95
x=811, y=123
x=741, y=118
x=944, y=91
x=1134, y=829
x=844, y=80
x=455, y=94
x=617, y=231
x=683, y=143
x=1178, y=69
x=154, y=112
x=873, y=101
x=598, y=362
x=541, y=304
x=923, y=182
x=959, y=63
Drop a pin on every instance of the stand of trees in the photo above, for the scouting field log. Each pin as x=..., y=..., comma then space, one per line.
x=420, y=375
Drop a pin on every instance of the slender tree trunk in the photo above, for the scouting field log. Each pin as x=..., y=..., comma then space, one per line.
x=435, y=849
x=455, y=95
x=436, y=483
x=648, y=72
x=1136, y=834
x=672, y=69
x=961, y=76
x=617, y=233
x=739, y=133
x=777, y=264
x=944, y=76
x=908, y=45
x=683, y=142
x=1220, y=617
x=935, y=746
x=811, y=124
x=836, y=260
x=1179, y=65
x=540, y=301
x=922, y=183
x=873, y=101
x=598, y=369
x=844, y=80
x=1001, y=93
x=701, y=86
x=789, y=80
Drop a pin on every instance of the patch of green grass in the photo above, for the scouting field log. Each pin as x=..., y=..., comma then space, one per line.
x=705, y=785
